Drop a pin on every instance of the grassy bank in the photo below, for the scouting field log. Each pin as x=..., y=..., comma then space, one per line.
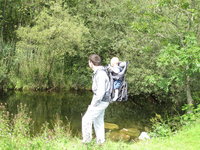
x=187, y=139
x=16, y=135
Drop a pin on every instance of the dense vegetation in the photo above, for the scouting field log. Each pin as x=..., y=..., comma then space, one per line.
x=44, y=44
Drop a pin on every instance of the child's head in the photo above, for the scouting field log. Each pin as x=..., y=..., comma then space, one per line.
x=114, y=61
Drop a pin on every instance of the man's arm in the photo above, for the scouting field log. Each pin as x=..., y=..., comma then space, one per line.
x=100, y=80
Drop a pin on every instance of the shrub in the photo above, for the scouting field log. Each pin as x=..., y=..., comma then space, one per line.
x=160, y=127
x=165, y=127
x=4, y=122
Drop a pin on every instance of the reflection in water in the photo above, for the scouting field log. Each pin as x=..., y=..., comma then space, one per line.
x=44, y=107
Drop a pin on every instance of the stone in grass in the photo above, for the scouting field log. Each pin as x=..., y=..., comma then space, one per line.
x=144, y=136
x=111, y=126
x=118, y=136
x=132, y=132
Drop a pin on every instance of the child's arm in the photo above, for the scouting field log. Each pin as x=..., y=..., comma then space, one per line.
x=115, y=70
x=122, y=64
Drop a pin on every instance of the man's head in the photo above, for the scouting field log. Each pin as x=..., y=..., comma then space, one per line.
x=94, y=60
x=114, y=61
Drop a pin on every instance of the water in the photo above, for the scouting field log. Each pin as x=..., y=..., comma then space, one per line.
x=45, y=107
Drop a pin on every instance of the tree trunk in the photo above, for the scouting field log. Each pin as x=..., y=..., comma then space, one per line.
x=49, y=82
x=3, y=23
x=189, y=95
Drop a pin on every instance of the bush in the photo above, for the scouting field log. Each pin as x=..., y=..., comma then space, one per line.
x=160, y=127
x=165, y=127
x=21, y=123
x=192, y=116
x=4, y=122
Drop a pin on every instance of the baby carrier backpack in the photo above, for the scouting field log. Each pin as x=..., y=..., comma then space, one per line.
x=123, y=90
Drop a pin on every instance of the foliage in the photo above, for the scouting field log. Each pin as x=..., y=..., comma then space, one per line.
x=6, y=66
x=21, y=123
x=180, y=62
x=48, y=43
x=180, y=140
x=57, y=140
x=4, y=122
x=15, y=130
x=191, y=117
x=165, y=127
x=160, y=127
x=44, y=46
x=165, y=31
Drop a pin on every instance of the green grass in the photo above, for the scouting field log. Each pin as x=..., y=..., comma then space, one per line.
x=186, y=139
x=17, y=137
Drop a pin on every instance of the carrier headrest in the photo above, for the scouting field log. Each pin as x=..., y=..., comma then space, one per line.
x=124, y=66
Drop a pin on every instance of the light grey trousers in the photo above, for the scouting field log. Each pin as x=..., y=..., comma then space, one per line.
x=95, y=116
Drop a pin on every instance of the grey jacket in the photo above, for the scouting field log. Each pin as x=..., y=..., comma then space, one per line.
x=100, y=86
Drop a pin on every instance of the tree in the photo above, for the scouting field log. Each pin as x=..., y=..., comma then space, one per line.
x=43, y=46
x=13, y=13
x=181, y=64
x=156, y=25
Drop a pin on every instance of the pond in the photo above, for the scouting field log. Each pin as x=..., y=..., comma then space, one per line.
x=70, y=106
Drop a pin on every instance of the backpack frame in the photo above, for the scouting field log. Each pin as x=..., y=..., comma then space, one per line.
x=123, y=90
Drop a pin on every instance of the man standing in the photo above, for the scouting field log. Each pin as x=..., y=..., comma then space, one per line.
x=100, y=101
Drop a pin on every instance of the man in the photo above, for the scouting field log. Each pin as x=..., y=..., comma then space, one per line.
x=100, y=101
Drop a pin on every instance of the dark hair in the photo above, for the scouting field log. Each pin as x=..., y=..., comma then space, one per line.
x=95, y=59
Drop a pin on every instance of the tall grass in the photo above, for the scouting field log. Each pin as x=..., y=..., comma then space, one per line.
x=4, y=122
x=15, y=131
x=15, y=134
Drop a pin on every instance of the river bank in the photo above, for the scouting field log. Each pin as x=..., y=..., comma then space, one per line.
x=187, y=138
x=69, y=106
x=15, y=134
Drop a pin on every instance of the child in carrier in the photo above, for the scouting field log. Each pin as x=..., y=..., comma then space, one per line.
x=116, y=67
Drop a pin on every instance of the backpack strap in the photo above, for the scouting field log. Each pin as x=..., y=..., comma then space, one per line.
x=107, y=97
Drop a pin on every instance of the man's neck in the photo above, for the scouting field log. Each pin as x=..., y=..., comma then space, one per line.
x=95, y=68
